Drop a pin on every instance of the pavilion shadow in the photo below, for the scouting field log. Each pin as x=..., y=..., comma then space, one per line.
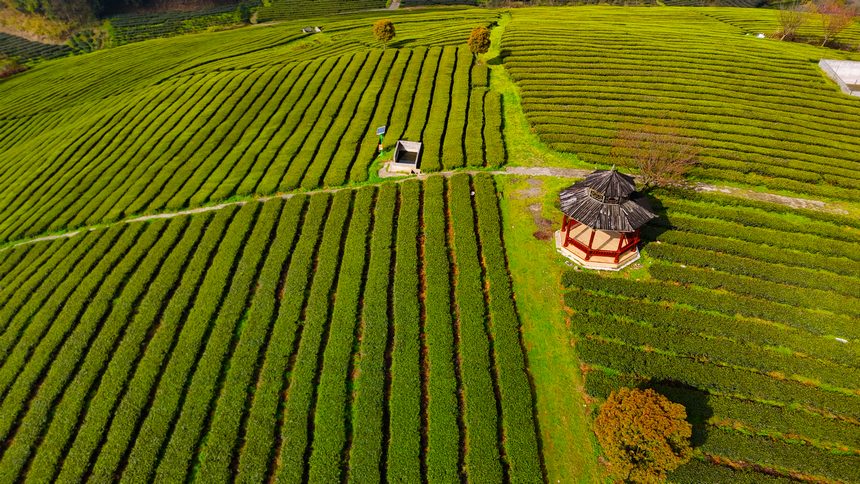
x=652, y=231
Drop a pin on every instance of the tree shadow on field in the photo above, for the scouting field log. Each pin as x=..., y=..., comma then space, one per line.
x=696, y=402
x=499, y=59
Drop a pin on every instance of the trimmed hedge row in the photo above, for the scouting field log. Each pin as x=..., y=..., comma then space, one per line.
x=50, y=324
x=113, y=406
x=493, y=137
x=733, y=201
x=723, y=410
x=339, y=118
x=434, y=131
x=21, y=262
x=329, y=437
x=520, y=440
x=371, y=103
x=802, y=242
x=754, y=250
x=746, y=266
x=304, y=77
x=443, y=433
x=482, y=460
x=60, y=351
x=365, y=454
x=475, y=129
x=325, y=111
x=565, y=70
x=67, y=417
x=318, y=76
x=226, y=343
x=262, y=432
x=761, y=217
x=401, y=113
x=385, y=108
x=136, y=446
x=813, y=299
x=208, y=378
x=455, y=129
x=709, y=300
x=784, y=456
x=218, y=451
x=714, y=378
x=718, y=351
x=298, y=407
x=663, y=315
x=219, y=157
x=404, y=402
x=697, y=471
x=480, y=75
x=423, y=96
x=45, y=285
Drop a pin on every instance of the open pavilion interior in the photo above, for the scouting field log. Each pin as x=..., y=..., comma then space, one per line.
x=602, y=217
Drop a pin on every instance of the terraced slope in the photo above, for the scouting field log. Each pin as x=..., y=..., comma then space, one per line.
x=761, y=110
x=28, y=50
x=296, y=9
x=349, y=336
x=747, y=316
x=142, y=26
x=276, y=113
x=767, y=22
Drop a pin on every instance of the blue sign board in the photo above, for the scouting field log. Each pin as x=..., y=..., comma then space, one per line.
x=380, y=131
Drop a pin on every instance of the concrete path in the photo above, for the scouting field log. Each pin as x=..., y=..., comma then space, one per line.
x=793, y=202
x=395, y=4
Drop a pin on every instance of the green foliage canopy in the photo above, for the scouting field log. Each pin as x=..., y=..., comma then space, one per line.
x=643, y=434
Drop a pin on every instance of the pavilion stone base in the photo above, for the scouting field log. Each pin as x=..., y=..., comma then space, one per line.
x=595, y=262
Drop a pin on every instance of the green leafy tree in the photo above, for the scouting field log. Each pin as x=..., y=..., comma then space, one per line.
x=643, y=434
x=383, y=31
x=479, y=40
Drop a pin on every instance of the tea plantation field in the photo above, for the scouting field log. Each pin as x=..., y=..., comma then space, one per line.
x=747, y=314
x=275, y=111
x=761, y=110
x=358, y=335
x=286, y=315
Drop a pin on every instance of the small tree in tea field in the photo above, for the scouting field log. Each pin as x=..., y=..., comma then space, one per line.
x=643, y=434
x=791, y=17
x=663, y=153
x=479, y=41
x=836, y=16
x=383, y=31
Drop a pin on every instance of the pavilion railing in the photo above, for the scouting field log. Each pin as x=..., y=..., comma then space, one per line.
x=569, y=223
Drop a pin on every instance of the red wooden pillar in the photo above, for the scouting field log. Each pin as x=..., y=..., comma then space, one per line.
x=565, y=230
x=620, y=244
x=570, y=225
x=590, y=241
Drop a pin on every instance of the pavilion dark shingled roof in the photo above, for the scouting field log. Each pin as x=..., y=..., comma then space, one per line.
x=606, y=200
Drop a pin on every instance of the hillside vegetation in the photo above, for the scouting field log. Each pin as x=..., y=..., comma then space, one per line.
x=293, y=9
x=272, y=111
x=287, y=316
x=157, y=350
x=747, y=316
x=761, y=110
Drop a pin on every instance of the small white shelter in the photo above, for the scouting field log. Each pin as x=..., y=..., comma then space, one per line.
x=407, y=157
x=844, y=73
